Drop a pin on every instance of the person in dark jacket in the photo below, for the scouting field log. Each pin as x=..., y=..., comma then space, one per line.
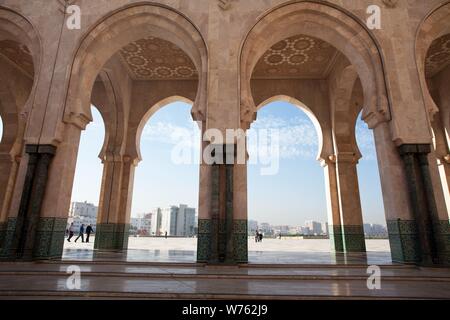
x=70, y=232
x=81, y=234
x=89, y=230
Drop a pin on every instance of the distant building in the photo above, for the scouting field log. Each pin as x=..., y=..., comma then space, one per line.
x=315, y=228
x=252, y=226
x=266, y=228
x=79, y=220
x=83, y=209
x=82, y=213
x=155, y=218
x=325, y=228
x=143, y=225
x=375, y=230
x=178, y=221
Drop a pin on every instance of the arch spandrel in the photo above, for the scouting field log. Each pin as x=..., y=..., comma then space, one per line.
x=121, y=28
x=17, y=98
x=434, y=26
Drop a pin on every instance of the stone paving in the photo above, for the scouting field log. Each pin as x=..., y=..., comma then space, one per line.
x=190, y=244
x=270, y=251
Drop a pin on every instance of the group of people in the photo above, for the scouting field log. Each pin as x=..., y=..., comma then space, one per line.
x=258, y=236
x=71, y=231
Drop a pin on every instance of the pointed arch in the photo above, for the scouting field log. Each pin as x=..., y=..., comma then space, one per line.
x=120, y=28
x=329, y=23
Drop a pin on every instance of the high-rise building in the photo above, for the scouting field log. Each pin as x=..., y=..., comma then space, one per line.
x=178, y=221
x=155, y=218
x=314, y=227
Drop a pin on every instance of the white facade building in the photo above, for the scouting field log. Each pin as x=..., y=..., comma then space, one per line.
x=82, y=213
x=178, y=221
x=83, y=209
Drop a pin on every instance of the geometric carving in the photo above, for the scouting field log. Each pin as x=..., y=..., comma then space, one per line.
x=157, y=59
x=296, y=57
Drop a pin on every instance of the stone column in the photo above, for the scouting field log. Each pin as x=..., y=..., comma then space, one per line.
x=353, y=239
x=402, y=228
x=24, y=240
x=205, y=206
x=226, y=234
x=421, y=194
x=8, y=169
x=56, y=204
x=113, y=220
x=240, y=215
x=332, y=195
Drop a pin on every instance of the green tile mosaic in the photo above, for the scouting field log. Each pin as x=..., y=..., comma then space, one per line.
x=111, y=236
x=49, y=241
x=404, y=241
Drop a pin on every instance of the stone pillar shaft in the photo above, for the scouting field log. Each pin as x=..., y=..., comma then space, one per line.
x=420, y=187
x=27, y=241
x=332, y=195
x=353, y=239
x=223, y=230
x=113, y=221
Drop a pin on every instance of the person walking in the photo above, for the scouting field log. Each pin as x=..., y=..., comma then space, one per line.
x=257, y=236
x=81, y=234
x=70, y=232
x=89, y=230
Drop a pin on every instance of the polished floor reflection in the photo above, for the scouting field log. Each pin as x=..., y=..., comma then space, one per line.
x=112, y=280
x=270, y=251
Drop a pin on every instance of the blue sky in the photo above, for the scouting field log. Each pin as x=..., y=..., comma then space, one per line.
x=295, y=194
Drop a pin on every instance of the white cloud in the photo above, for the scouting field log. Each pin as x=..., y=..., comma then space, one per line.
x=297, y=137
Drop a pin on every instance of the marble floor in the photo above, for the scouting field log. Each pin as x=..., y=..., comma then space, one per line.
x=270, y=251
x=166, y=269
x=132, y=280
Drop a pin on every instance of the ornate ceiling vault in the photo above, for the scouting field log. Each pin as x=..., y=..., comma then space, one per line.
x=18, y=55
x=438, y=56
x=297, y=57
x=157, y=59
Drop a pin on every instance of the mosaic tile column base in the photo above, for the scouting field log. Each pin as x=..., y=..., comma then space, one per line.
x=2, y=233
x=353, y=239
x=111, y=236
x=442, y=230
x=8, y=235
x=240, y=238
x=335, y=235
x=204, y=240
x=404, y=241
x=49, y=241
x=240, y=241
